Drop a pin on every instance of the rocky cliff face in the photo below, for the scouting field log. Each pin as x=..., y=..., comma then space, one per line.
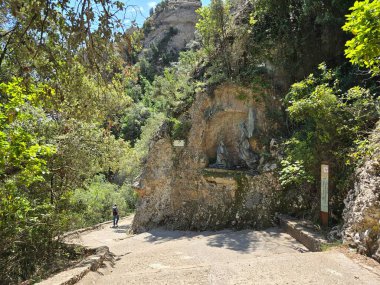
x=361, y=227
x=173, y=22
x=183, y=186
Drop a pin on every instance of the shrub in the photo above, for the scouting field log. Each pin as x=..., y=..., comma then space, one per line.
x=179, y=129
x=93, y=204
x=328, y=124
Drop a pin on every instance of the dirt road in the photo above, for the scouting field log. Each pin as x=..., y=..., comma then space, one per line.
x=223, y=257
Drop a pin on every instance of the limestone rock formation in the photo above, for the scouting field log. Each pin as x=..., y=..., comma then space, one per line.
x=250, y=158
x=172, y=16
x=178, y=189
x=361, y=227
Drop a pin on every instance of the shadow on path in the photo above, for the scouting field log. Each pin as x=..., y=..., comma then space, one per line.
x=124, y=229
x=244, y=241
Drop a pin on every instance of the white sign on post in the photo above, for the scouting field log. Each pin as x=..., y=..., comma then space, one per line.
x=324, y=188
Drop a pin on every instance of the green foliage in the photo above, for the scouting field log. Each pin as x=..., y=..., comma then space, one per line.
x=44, y=35
x=286, y=32
x=174, y=91
x=27, y=230
x=242, y=96
x=213, y=26
x=179, y=129
x=25, y=216
x=328, y=123
x=55, y=122
x=22, y=156
x=84, y=150
x=132, y=122
x=87, y=97
x=130, y=46
x=169, y=91
x=36, y=176
x=363, y=22
x=93, y=204
x=241, y=39
x=293, y=173
x=151, y=127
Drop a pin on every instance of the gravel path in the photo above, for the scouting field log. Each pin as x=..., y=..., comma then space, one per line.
x=223, y=257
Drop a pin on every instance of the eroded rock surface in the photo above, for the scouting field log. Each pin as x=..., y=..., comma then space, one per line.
x=178, y=189
x=362, y=206
x=175, y=16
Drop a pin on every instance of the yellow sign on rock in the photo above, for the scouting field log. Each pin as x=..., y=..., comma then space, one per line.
x=324, y=188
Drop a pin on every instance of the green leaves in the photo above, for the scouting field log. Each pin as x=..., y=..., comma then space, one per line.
x=173, y=91
x=293, y=173
x=329, y=124
x=214, y=26
x=56, y=121
x=363, y=22
x=23, y=165
x=22, y=156
x=93, y=204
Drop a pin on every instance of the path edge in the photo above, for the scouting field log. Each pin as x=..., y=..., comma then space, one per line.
x=311, y=239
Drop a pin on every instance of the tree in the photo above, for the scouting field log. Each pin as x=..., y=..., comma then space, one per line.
x=329, y=123
x=213, y=26
x=21, y=161
x=286, y=32
x=70, y=90
x=363, y=22
x=32, y=31
x=25, y=212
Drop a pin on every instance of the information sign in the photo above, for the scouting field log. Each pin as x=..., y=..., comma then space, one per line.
x=324, y=188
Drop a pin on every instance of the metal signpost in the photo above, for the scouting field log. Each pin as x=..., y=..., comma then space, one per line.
x=324, y=213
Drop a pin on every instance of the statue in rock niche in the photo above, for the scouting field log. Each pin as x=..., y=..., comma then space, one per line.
x=245, y=151
x=250, y=123
x=222, y=156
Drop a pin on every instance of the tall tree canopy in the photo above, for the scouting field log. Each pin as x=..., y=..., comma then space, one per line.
x=363, y=22
x=62, y=87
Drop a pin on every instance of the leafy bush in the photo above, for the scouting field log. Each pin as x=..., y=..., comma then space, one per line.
x=363, y=22
x=174, y=90
x=26, y=216
x=294, y=173
x=132, y=122
x=214, y=27
x=93, y=204
x=328, y=124
x=179, y=129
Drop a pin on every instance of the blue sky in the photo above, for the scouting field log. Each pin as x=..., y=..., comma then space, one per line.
x=139, y=10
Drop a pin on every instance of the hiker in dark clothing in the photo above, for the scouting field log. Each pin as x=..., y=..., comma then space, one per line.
x=115, y=213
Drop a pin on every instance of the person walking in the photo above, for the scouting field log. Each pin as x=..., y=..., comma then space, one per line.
x=115, y=213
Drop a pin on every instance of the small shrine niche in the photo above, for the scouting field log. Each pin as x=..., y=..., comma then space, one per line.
x=231, y=149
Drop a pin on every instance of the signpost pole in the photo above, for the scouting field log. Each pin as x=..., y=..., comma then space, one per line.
x=324, y=213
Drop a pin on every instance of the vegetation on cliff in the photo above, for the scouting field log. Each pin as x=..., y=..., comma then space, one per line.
x=329, y=113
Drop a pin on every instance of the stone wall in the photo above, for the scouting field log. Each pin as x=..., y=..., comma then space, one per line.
x=225, y=198
x=178, y=189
